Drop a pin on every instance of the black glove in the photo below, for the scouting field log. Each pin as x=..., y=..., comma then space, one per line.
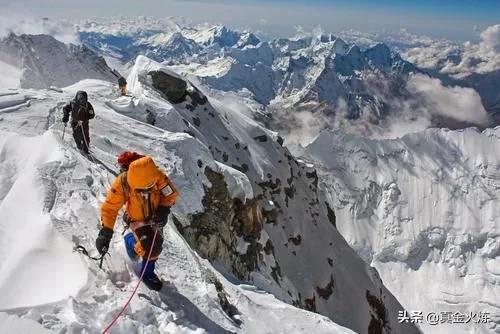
x=161, y=215
x=103, y=239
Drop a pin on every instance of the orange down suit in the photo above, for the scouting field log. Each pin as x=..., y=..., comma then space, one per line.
x=142, y=174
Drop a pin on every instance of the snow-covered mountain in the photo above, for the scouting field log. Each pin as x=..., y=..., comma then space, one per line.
x=45, y=61
x=423, y=210
x=247, y=205
x=473, y=64
x=302, y=84
x=160, y=40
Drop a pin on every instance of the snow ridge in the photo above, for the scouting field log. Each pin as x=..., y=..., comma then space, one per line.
x=207, y=148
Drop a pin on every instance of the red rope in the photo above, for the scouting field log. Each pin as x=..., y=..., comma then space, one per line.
x=136, y=287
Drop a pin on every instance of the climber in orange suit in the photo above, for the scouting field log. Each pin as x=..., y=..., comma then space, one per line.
x=147, y=194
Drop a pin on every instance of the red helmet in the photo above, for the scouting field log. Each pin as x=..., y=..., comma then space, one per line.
x=126, y=158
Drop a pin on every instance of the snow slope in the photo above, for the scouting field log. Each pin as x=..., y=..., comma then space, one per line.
x=423, y=210
x=50, y=198
x=34, y=247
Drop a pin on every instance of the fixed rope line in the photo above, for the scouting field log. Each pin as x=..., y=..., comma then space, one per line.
x=115, y=319
x=85, y=142
x=91, y=156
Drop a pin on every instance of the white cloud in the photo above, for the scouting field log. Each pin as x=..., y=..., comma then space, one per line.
x=458, y=59
x=491, y=38
x=11, y=76
x=23, y=24
x=461, y=104
x=428, y=103
x=447, y=56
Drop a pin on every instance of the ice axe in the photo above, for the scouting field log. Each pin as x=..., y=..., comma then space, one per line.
x=84, y=251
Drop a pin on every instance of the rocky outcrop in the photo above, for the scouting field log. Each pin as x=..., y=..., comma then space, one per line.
x=172, y=87
x=175, y=89
x=228, y=230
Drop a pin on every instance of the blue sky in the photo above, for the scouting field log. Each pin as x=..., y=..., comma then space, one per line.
x=454, y=19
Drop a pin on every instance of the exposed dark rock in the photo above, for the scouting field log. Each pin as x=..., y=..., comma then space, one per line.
x=227, y=307
x=331, y=215
x=191, y=133
x=314, y=176
x=197, y=97
x=289, y=193
x=150, y=117
x=296, y=240
x=276, y=273
x=379, y=322
x=196, y=121
x=330, y=261
x=270, y=184
x=327, y=291
x=280, y=140
x=262, y=138
x=243, y=168
x=270, y=216
x=225, y=157
x=200, y=163
x=269, y=248
x=310, y=303
x=172, y=87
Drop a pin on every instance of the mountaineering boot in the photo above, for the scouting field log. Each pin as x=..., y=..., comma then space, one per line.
x=149, y=278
